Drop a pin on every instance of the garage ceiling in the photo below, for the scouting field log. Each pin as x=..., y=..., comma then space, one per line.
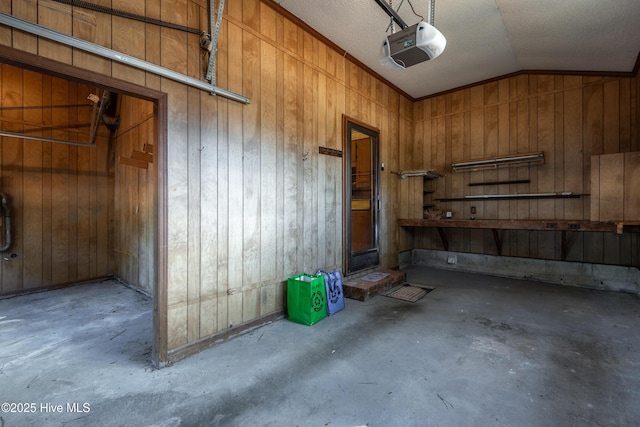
x=486, y=38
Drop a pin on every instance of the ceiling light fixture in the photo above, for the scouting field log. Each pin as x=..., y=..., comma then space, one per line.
x=411, y=45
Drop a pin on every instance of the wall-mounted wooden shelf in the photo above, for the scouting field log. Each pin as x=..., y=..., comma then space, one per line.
x=517, y=181
x=513, y=197
x=526, y=159
x=427, y=173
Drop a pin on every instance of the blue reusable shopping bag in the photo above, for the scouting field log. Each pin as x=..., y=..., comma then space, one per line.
x=335, y=295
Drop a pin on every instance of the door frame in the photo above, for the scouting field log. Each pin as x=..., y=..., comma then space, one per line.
x=374, y=255
x=28, y=61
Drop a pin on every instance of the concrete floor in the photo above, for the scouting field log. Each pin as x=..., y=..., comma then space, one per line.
x=477, y=351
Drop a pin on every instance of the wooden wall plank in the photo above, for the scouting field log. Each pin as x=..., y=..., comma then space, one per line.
x=298, y=161
x=177, y=216
x=611, y=117
x=195, y=147
x=279, y=167
x=595, y=190
x=559, y=184
x=96, y=28
x=635, y=114
x=573, y=147
x=33, y=185
x=611, y=179
x=83, y=213
x=332, y=172
x=60, y=186
x=290, y=165
x=290, y=35
x=545, y=173
x=172, y=53
x=72, y=185
x=626, y=118
x=210, y=186
x=322, y=165
x=104, y=211
x=236, y=179
x=309, y=211
x=268, y=156
x=56, y=16
x=269, y=22
x=533, y=177
x=422, y=132
x=222, y=173
x=504, y=149
x=152, y=42
x=592, y=145
x=147, y=222
x=631, y=186
x=27, y=10
x=47, y=181
x=522, y=144
x=194, y=200
x=251, y=183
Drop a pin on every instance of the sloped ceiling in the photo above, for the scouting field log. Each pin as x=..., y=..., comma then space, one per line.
x=485, y=38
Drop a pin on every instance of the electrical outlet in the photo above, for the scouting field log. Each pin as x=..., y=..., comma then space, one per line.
x=473, y=210
x=452, y=259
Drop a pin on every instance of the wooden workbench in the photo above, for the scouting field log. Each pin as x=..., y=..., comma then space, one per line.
x=564, y=226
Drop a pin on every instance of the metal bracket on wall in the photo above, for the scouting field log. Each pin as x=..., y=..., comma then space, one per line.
x=214, y=30
x=113, y=55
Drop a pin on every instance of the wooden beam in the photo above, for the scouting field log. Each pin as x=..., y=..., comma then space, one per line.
x=496, y=238
x=133, y=162
x=141, y=155
x=443, y=237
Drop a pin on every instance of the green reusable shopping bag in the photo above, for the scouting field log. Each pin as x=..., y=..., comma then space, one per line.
x=306, y=299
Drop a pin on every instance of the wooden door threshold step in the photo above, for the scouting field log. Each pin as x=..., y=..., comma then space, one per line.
x=374, y=283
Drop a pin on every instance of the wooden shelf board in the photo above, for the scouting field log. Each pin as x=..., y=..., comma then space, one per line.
x=497, y=224
x=515, y=197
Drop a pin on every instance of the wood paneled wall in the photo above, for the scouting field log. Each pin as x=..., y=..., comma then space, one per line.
x=570, y=118
x=250, y=200
x=134, y=201
x=58, y=194
x=615, y=180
